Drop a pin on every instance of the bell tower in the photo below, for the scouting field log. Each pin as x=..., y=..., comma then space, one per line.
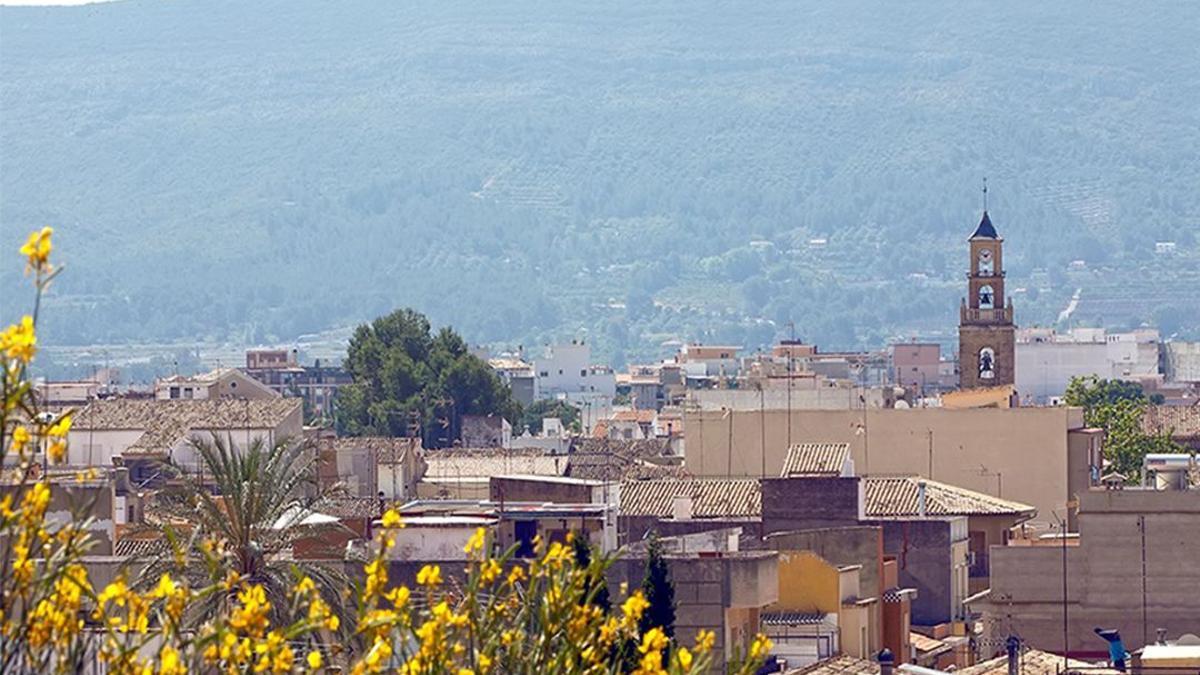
x=986, y=334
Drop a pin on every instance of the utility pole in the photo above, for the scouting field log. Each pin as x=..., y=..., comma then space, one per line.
x=790, y=355
x=930, y=432
x=762, y=431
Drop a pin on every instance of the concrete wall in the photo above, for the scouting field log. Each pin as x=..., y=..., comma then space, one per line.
x=856, y=545
x=1104, y=573
x=520, y=489
x=635, y=528
x=430, y=543
x=988, y=451
x=807, y=583
x=806, y=503
x=722, y=594
x=924, y=558
x=823, y=395
x=96, y=448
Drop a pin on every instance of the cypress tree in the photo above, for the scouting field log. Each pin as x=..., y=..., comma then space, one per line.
x=595, y=578
x=659, y=592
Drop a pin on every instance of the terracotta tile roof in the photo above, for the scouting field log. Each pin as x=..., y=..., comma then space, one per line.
x=1034, y=662
x=711, y=497
x=815, y=459
x=639, y=416
x=838, y=665
x=350, y=507
x=613, y=460
x=165, y=423
x=897, y=496
x=138, y=547
x=926, y=644
x=383, y=447
x=483, y=463
x=644, y=449
x=793, y=618
x=1178, y=421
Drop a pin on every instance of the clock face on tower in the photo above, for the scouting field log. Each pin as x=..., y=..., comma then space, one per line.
x=985, y=261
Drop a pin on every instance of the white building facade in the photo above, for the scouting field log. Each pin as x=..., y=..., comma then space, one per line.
x=1047, y=360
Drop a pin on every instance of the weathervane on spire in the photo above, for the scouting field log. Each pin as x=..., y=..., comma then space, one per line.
x=985, y=194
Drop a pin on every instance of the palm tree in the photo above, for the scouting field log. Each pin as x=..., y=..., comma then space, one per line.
x=252, y=503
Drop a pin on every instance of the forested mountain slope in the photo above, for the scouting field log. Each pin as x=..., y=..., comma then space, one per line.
x=632, y=172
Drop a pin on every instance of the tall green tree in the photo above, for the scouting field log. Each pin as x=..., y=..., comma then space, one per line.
x=404, y=374
x=659, y=591
x=595, y=589
x=539, y=410
x=1117, y=407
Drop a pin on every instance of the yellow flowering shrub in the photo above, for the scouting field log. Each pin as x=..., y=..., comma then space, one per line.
x=509, y=616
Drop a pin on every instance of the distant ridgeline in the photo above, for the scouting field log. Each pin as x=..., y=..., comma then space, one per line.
x=630, y=174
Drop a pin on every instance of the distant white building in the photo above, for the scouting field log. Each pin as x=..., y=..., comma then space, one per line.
x=568, y=369
x=1047, y=360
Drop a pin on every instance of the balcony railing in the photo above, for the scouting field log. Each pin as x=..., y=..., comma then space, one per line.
x=996, y=315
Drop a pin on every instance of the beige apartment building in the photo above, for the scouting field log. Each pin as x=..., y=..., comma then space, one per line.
x=1038, y=456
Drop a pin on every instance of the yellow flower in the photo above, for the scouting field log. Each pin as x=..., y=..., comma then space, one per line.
x=430, y=575
x=19, y=341
x=60, y=427
x=633, y=607
x=377, y=577
x=399, y=596
x=465, y=671
x=57, y=451
x=685, y=658
x=37, y=248
x=169, y=662
x=705, y=640
x=760, y=646
x=490, y=571
x=485, y=662
x=20, y=438
x=475, y=543
x=516, y=575
x=653, y=641
x=391, y=519
x=314, y=659
x=305, y=586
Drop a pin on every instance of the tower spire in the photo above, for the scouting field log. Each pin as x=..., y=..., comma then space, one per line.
x=985, y=194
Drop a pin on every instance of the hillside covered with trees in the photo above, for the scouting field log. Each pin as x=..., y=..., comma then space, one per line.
x=629, y=173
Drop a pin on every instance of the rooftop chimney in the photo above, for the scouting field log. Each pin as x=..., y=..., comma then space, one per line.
x=681, y=507
x=1013, y=647
x=887, y=661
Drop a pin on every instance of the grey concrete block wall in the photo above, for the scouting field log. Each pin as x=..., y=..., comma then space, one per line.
x=923, y=561
x=853, y=545
x=803, y=504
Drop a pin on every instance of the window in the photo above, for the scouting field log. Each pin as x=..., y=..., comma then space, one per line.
x=583, y=373
x=174, y=392
x=560, y=371
x=544, y=373
x=987, y=363
x=986, y=297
